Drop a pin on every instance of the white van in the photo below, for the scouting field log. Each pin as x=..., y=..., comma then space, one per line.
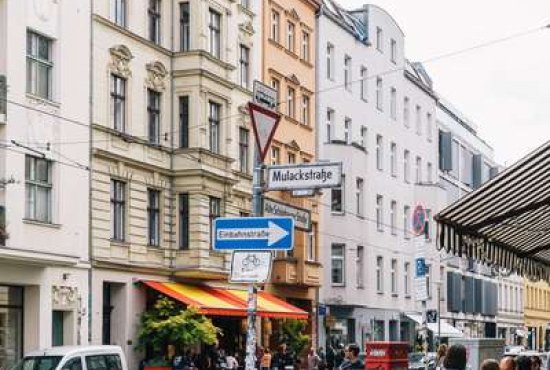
x=74, y=358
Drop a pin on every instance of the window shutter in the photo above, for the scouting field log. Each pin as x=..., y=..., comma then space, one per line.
x=477, y=166
x=454, y=292
x=469, y=294
x=478, y=294
x=184, y=122
x=445, y=151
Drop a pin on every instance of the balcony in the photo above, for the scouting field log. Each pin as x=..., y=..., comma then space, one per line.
x=294, y=271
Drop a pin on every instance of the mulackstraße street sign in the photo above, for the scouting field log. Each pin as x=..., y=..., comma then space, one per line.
x=304, y=176
x=254, y=233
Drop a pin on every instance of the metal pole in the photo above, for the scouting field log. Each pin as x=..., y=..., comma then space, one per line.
x=439, y=314
x=250, y=362
x=425, y=332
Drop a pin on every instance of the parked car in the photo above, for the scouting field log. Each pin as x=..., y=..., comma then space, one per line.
x=73, y=358
x=416, y=361
x=513, y=350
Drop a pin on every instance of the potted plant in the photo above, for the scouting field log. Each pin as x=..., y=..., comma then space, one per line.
x=168, y=324
x=297, y=341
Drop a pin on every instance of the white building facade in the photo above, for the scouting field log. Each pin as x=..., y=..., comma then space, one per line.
x=44, y=176
x=376, y=115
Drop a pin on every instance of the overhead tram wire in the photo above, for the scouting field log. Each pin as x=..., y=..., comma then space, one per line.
x=318, y=92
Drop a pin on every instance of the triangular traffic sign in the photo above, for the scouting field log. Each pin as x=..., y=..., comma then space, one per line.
x=264, y=123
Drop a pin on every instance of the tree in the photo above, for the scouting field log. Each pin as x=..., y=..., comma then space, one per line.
x=167, y=323
x=293, y=332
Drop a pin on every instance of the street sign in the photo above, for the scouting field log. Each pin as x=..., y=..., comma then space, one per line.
x=250, y=267
x=302, y=217
x=303, y=193
x=322, y=310
x=421, y=246
x=421, y=267
x=419, y=220
x=264, y=123
x=265, y=95
x=254, y=233
x=304, y=176
x=431, y=316
x=421, y=288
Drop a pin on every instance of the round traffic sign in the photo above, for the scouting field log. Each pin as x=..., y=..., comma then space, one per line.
x=419, y=220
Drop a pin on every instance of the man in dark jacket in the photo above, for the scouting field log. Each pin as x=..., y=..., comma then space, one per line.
x=352, y=361
x=283, y=358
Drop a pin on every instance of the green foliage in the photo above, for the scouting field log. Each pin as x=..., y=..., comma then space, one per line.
x=166, y=323
x=293, y=331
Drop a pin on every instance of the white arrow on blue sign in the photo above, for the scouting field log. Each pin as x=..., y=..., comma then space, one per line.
x=254, y=233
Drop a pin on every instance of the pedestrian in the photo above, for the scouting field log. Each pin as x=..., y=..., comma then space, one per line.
x=352, y=361
x=507, y=363
x=182, y=361
x=523, y=363
x=231, y=362
x=322, y=358
x=266, y=359
x=340, y=356
x=489, y=364
x=536, y=363
x=330, y=357
x=440, y=357
x=455, y=358
x=313, y=360
x=283, y=359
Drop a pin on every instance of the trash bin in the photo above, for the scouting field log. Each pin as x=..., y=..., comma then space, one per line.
x=386, y=356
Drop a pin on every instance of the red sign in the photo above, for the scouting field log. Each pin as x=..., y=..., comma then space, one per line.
x=264, y=123
x=419, y=220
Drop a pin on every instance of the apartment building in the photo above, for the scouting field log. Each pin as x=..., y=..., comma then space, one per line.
x=44, y=176
x=377, y=113
x=537, y=317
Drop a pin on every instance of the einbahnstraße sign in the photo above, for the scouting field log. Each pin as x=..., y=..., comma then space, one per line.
x=304, y=176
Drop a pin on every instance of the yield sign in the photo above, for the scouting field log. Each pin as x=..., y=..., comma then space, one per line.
x=264, y=122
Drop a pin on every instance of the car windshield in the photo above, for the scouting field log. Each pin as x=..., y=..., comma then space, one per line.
x=38, y=363
x=415, y=357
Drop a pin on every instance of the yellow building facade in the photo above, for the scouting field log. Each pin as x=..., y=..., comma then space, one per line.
x=537, y=314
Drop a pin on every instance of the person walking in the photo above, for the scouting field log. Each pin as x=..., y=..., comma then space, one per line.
x=523, y=363
x=313, y=360
x=489, y=364
x=455, y=359
x=536, y=363
x=351, y=360
x=331, y=355
x=507, y=363
x=440, y=357
x=231, y=362
x=266, y=360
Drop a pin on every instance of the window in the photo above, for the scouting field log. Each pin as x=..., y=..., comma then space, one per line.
x=393, y=159
x=38, y=189
x=245, y=4
x=290, y=36
x=245, y=66
x=393, y=217
x=379, y=153
x=215, y=211
x=379, y=274
x=347, y=73
x=429, y=170
x=154, y=12
x=337, y=197
x=215, y=33
x=103, y=362
x=118, y=210
x=118, y=103
x=39, y=65
x=184, y=220
x=118, y=11
x=153, y=116
x=407, y=279
x=74, y=363
x=393, y=104
x=364, y=84
x=214, y=123
x=330, y=62
x=418, y=120
x=393, y=51
x=243, y=150
x=337, y=260
x=291, y=158
x=360, y=266
x=406, y=112
x=185, y=27
x=184, y=121
x=305, y=110
x=394, y=276
x=364, y=132
x=379, y=39
x=455, y=152
x=418, y=170
x=379, y=213
x=406, y=166
x=275, y=18
x=429, y=129
x=330, y=118
x=312, y=243
x=347, y=131
x=275, y=155
x=359, y=197
x=379, y=104
x=291, y=102
x=153, y=216
x=276, y=85
x=305, y=46
x=406, y=221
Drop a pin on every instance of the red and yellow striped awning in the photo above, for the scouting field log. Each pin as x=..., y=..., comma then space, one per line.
x=226, y=302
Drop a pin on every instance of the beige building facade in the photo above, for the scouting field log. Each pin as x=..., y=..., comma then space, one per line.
x=537, y=315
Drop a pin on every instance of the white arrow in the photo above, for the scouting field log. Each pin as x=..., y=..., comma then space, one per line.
x=273, y=233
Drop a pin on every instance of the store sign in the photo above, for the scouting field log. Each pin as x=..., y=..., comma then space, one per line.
x=303, y=193
x=250, y=267
x=304, y=176
x=302, y=217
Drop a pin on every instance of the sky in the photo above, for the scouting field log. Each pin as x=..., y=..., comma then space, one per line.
x=503, y=88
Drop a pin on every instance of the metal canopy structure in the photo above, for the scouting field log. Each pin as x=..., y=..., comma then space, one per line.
x=506, y=222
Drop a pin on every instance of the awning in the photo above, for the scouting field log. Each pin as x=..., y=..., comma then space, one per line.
x=225, y=301
x=506, y=222
x=447, y=330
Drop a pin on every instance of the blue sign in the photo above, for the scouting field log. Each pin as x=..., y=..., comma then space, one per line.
x=421, y=267
x=254, y=233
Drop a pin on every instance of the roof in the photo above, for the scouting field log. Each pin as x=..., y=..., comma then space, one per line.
x=72, y=350
x=346, y=19
x=506, y=222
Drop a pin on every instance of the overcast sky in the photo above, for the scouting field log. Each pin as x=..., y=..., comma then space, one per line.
x=504, y=88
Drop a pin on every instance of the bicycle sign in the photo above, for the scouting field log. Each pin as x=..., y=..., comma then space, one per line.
x=250, y=267
x=419, y=220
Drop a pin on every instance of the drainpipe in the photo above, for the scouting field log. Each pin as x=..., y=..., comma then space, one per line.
x=173, y=217
x=90, y=172
x=316, y=128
